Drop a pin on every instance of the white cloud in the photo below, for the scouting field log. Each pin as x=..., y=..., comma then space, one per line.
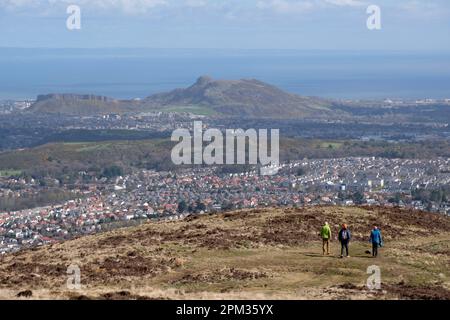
x=285, y=6
x=423, y=10
x=346, y=3
x=127, y=6
x=196, y=3
x=228, y=8
x=299, y=6
x=16, y=4
x=415, y=6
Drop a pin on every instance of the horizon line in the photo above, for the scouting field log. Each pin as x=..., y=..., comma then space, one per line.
x=350, y=50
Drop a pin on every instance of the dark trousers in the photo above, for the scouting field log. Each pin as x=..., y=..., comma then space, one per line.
x=344, y=245
x=374, y=249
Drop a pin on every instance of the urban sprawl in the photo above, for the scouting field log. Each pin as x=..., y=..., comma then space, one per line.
x=143, y=195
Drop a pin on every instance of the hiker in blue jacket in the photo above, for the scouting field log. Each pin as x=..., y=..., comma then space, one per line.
x=376, y=239
x=344, y=238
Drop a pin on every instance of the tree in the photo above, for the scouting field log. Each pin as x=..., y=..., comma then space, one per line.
x=358, y=197
x=436, y=196
x=396, y=199
x=227, y=205
x=112, y=171
x=300, y=172
x=200, y=206
x=182, y=206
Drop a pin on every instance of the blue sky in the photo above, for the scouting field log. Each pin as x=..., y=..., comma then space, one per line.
x=246, y=24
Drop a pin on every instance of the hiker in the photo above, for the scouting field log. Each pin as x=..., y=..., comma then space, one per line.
x=376, y=239
x=344, y=238
x=325, y=233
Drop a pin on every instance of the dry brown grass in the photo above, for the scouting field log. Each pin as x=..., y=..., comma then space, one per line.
x=249, y=254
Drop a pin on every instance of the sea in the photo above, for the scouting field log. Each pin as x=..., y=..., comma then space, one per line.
x=129, y=73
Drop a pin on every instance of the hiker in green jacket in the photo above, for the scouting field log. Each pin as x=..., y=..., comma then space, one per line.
x=325, y=233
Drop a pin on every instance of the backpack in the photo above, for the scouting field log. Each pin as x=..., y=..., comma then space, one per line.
x=344, y=234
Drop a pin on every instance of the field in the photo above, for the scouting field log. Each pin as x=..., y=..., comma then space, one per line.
x=197, y=110
x=54, y=158
x=8, y=173
x=250, y=254
x=331, y=145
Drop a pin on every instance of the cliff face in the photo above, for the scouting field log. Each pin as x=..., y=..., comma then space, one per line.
x=80, y=105
x=74, y=97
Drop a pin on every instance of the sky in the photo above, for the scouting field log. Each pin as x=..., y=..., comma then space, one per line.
x=407, y=25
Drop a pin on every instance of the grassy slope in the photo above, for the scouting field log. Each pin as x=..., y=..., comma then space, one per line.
x=8, y=173
x=84, y=154
x=198, y=110
x=271, y=253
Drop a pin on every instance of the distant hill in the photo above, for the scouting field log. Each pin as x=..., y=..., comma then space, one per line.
x=247, y=97
x=129, y=151
x=241, y=98
x=81, y=105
